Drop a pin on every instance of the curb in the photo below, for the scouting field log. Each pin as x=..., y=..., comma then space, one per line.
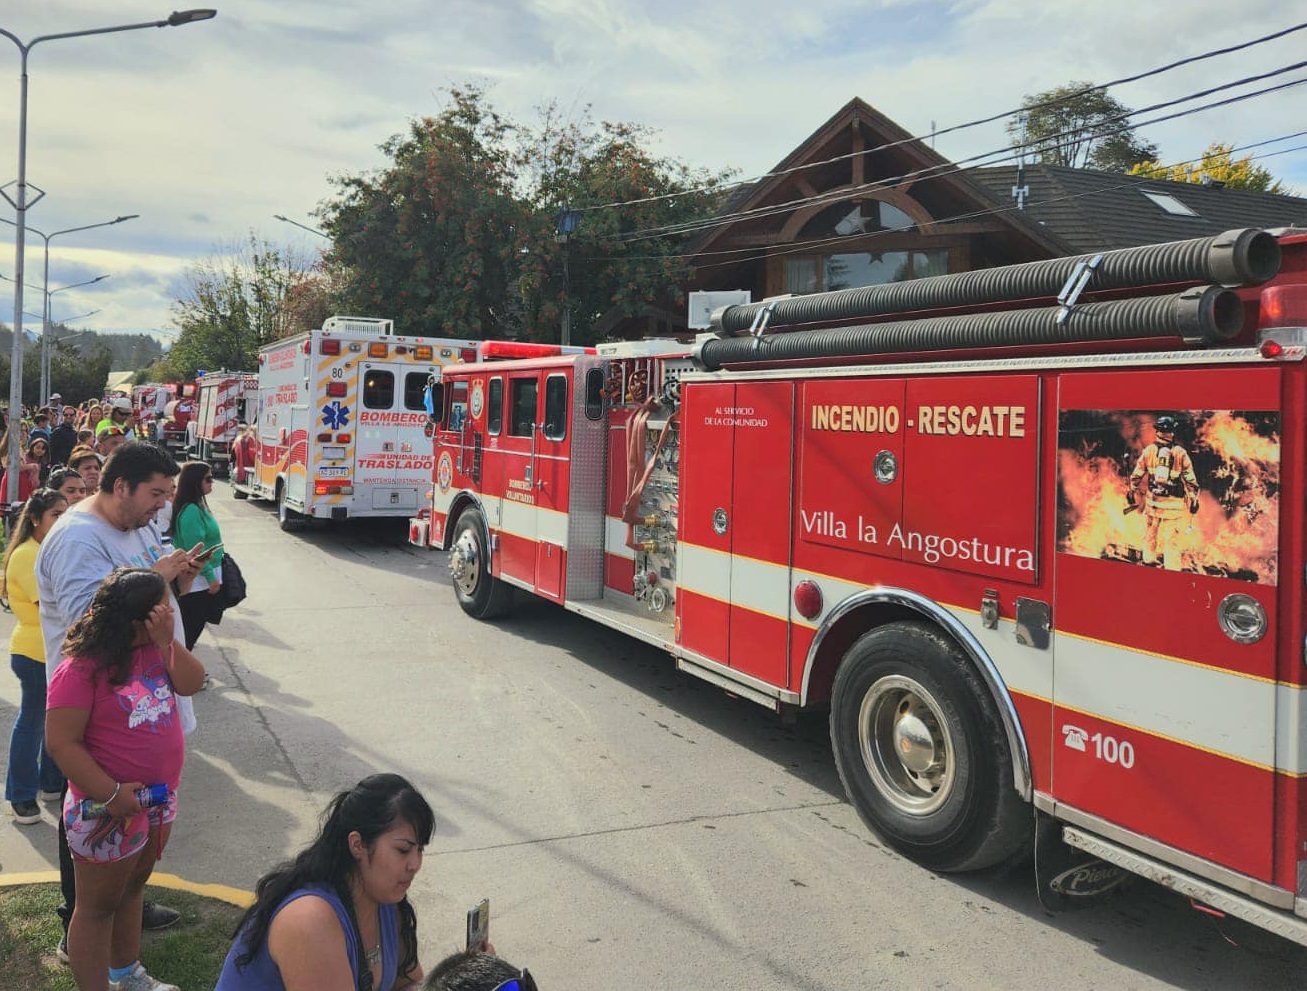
x=220, y=892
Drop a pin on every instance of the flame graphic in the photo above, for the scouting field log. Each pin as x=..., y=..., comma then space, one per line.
x=1233, y=534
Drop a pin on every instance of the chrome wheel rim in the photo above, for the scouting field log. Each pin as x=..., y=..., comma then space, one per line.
x=465, y=563
x=906, y=747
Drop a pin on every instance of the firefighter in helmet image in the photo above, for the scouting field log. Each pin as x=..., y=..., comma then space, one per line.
x=1164, y=487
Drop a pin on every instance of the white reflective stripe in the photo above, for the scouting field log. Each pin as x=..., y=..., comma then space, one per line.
x=551, y=526
x=1213, y=710
x=756, y=585
x=1290, y=728
x=533, y=523
x=615, y=538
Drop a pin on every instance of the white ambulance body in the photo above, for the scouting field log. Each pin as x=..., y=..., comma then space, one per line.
x=340, y=431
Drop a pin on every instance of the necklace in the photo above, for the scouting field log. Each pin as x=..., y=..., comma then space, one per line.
x=374, y=956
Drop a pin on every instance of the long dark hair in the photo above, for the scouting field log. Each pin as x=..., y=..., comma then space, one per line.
x=107, y=632
x=190, y=491
x=38, y=504
x=369, y=808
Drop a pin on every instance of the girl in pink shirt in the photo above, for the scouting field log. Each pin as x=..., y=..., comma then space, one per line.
x=112, y=726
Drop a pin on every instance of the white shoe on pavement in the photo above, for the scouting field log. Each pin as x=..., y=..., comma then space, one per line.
x=139, y=980
x=49, y=796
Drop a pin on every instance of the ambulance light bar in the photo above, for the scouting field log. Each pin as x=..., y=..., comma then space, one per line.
x=329, y=347
x=507, y=350
x=423, y=352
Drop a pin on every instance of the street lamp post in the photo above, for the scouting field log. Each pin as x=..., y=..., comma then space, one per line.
x=303, y=227
x=45, y=322
x=20, y=204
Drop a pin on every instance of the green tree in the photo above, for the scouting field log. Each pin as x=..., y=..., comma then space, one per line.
x=234, y=303
x=77, y=376
x=1080, y=127
x=458, y=235
x=1217, y=164
x=431, y=241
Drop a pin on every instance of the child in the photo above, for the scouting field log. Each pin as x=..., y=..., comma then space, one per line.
x=112, y=727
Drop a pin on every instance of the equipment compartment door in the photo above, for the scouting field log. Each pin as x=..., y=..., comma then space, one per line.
x=1168, y=512
x=517, y=546
x=552, y=444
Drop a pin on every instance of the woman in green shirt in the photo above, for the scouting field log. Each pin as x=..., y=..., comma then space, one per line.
x=192, y=524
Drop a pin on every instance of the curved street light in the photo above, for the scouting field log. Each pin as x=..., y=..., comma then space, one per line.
x=20, y=204
x=303, y=227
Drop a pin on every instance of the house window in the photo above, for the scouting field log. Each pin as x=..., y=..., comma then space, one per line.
x=850, y=269
x=1169, y=203
x=850, y=219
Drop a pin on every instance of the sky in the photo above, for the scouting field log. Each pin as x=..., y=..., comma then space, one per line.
x=210, y=129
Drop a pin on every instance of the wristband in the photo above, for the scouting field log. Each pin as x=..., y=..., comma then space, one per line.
x=117, y=786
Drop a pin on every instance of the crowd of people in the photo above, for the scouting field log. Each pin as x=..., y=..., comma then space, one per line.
x=112, y=569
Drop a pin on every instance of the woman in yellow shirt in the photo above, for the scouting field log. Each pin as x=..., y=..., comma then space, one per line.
x=32, y=774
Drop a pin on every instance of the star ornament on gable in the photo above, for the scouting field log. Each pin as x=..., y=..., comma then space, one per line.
x=335, y=415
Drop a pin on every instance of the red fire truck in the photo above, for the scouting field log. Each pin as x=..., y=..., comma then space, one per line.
x=1036, y=559
x=225, y=399
x=178, y=414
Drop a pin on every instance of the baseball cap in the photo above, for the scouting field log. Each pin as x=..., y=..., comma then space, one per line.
x=55, y=395
x=121, y=403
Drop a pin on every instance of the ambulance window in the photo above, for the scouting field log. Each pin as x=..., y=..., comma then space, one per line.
x=523, y=398
x=594, y=394
x=378, y=389
x=415, y=385
x=556, y=407
x=495, y=408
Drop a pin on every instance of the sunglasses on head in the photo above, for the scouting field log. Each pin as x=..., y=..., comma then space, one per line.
x=523, y=982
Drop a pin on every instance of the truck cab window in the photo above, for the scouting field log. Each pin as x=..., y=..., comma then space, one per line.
x=456, y=405
x=594, y=394
x=415, y=385
x=379, y=389
x=556, y=407
x=523, y=395
x=495, y=407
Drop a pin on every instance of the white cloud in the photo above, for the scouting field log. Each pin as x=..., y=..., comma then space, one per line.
x=210, y=129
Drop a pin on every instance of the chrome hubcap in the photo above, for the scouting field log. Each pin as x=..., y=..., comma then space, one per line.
x=905, y=745
x=465, y=563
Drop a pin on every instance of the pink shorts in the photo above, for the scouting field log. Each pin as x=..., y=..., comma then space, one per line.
x=103, y=839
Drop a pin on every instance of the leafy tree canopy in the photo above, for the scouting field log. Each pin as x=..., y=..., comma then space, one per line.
x=1078, y=126
x=1217, y=164
x=459, y=235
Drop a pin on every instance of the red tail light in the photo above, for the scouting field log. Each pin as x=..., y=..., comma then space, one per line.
x=329, y=347
x=343, y=438
x=337, y=389
x=324, y=438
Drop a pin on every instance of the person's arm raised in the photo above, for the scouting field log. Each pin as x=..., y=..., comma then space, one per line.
x=308, y=946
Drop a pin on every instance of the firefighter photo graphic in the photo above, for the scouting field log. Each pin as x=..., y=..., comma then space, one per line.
x=1164, y=487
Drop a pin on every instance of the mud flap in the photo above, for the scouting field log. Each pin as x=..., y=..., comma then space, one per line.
x=1067, y=878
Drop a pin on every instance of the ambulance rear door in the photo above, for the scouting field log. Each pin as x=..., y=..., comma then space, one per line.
x=392, y=472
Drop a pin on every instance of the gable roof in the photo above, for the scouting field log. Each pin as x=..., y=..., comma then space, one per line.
x=1098, y=211
x=917, y=157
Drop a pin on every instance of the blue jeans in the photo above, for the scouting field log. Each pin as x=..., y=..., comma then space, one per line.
x=30, y=765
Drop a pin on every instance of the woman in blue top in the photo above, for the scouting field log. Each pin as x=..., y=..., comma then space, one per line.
x=192, y=524
x=337, y=917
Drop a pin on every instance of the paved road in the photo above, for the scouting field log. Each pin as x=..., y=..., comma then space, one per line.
x=632, y=826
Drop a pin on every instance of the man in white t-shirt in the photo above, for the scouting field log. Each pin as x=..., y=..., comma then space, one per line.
x=114, y=528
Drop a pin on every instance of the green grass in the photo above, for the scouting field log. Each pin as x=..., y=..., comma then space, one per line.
x=190, y=954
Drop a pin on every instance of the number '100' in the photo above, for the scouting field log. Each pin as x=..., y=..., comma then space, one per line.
x=1112, y=750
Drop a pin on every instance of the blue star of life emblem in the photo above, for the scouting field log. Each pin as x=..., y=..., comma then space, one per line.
x=335, y=415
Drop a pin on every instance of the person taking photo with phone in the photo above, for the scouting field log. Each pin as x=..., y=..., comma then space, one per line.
x=193, y=523
x=337, y=917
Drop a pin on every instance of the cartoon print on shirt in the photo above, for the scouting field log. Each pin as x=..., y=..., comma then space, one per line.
x=148, y=699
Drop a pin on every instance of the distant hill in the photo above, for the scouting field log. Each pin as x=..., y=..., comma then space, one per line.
x=126, y=351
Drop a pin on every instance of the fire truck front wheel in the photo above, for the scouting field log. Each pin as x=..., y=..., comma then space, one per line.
x=481, y=594
x=922, y=752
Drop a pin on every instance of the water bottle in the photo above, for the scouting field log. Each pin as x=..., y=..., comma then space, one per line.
x=148, y=796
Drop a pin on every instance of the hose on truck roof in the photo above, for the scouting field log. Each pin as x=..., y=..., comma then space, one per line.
x=1235, y=258
x=1201, y=315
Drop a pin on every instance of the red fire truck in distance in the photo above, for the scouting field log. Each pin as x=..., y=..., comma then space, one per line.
x=178, y=414
x=1043, y=563
x=225, y=399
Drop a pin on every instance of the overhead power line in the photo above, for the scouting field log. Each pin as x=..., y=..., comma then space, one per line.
x=998, y=156
x=1124, y=80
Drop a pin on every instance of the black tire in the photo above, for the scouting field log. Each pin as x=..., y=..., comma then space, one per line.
x=287, y=518
x=238, y=493
x=481, y=594
x=922, y=752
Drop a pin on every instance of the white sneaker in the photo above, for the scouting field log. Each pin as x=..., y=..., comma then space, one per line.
x=139, y=980
x=49, y=796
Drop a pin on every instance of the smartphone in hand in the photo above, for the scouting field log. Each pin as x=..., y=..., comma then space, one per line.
x=207, y=553
x=478, y=925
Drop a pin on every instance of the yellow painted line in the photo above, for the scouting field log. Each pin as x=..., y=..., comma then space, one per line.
x=219, y=892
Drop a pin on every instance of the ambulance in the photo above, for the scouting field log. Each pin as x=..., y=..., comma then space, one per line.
x=226, y=399
x=1033, y=537
x=341, y=424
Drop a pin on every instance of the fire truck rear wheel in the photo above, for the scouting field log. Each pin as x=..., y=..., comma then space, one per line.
x=481, y=594
x=922, y=752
